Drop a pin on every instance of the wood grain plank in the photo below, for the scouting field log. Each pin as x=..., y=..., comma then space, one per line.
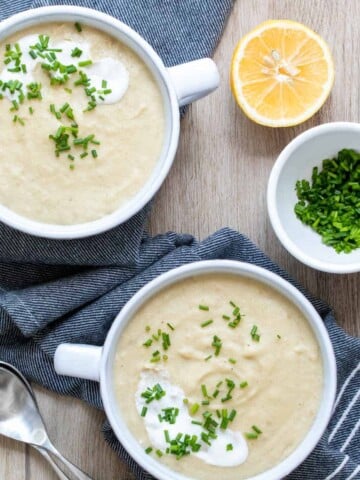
x=75, y=430
x=219, y=179
x=12, y=460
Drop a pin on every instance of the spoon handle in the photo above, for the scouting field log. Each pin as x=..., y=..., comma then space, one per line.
x=78, y=474
x=56, y=469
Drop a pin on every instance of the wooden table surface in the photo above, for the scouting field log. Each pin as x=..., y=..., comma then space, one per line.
x=219, y=179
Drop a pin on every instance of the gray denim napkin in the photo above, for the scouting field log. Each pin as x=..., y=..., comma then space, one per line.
x=53, y=292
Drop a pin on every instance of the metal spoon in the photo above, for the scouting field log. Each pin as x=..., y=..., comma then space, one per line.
x=44, y=453
x=20, y=418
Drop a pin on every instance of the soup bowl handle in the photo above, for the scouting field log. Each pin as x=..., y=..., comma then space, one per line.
x=81, y=361
x=194, y=80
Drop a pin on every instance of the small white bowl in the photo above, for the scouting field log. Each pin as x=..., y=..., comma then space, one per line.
x=294, y=163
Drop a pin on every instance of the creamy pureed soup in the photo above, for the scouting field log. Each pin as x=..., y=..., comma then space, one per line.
x=82, y=123
x=218, y=375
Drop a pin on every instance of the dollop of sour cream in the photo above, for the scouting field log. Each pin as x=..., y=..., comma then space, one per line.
x=111, y=70
x=214, y=454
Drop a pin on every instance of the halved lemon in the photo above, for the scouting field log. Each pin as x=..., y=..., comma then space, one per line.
x=281, y=73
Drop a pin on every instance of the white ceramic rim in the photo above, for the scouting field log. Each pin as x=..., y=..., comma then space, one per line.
x=150, y=57
x=277, y=225
x=119, y=426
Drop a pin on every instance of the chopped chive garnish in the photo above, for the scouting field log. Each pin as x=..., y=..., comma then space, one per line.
x=83, y=80
x=204, y=390
x=219, y=383
x=278, y=336
x=232, y=360
x=64, y=107
x=143, y=411
x=195, y=422
x=71, y=157
x=183, y=444
x=204, y=307
x=159, y=453
x=85, y=63
x=154, y=393
x=71, y=69
x=170, y=326
x=103, y=84
x=165, y=340
x=148, y=343
x=46, y=66
x=148, y=450
x=243, y=384
x=31, y=110
x=225, y=317
x=76, y=52
x=232, y=304
x=194, y=408
x=256, y=429
x=254, y=334
x=217, y=344
x=229, y=447
x=72, y=166
x=231, y=385
x=165, y=357
x=16, y=118
x=208, y=358
x=205, y=324
x=94, y=153
x=84, y=154
x=216, y=393
x=255, y=434
x=232, y=415
x=169, y=415
x=167, y=436
x=147, y=328
x=78, y=27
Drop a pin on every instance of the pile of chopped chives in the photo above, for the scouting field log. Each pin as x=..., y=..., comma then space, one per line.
x=330, y=203
x=153, y=393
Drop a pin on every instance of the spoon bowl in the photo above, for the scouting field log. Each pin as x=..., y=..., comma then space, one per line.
x=20, y=418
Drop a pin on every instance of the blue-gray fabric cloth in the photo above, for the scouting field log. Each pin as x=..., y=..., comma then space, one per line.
x=53, y=292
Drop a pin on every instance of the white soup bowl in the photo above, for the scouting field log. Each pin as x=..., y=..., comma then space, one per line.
x=96, y=363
